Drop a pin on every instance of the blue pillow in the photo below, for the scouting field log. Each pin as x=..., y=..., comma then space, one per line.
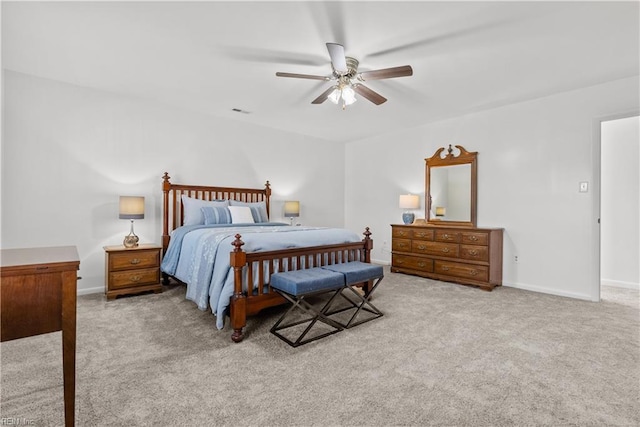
x=216, y=215
x=259, y=214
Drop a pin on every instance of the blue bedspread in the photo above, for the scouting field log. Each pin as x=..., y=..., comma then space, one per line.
x=198, y=255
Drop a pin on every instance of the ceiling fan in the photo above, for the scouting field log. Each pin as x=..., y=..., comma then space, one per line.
x=349, y=80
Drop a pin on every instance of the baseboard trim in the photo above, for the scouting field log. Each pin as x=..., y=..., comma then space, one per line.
x=550, y=291
x=88, y=291
x=380, y=261
x=620, y=284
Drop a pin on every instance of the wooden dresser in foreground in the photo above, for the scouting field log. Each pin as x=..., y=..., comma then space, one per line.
x=131, y=271
x=39, y=289
x=466, y=255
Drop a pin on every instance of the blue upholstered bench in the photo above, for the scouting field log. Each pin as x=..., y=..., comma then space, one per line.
x=341, y=280
x=296, y=286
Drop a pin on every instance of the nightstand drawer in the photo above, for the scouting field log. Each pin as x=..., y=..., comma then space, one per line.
x=127, y=279
x=136, y=259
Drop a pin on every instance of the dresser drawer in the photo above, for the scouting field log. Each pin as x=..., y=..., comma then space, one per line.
x=447, y=236
x=414, y=263
x=402, y=245
x=435, y=248
x=422, y=234
x=470, y=238
x=138, y=259
x=130, y=278
x=402, y=232
x=478, y=253
x=474, y=272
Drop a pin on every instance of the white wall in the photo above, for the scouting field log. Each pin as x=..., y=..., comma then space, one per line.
x=620, y=190
x=531, y=158
x=68, y=152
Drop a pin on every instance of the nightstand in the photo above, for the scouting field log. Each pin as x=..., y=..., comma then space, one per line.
x=131, y=270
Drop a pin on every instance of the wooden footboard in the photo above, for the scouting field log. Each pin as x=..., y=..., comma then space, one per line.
x=257, y=267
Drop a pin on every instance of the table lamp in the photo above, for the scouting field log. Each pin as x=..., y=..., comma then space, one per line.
x=409, y=201
x=131, y=207
x=292, y=209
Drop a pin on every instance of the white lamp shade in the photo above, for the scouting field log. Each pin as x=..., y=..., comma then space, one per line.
x=348, y=95
x=291, y=209
x=334, y=96
x=409, y=201
x=131, y=207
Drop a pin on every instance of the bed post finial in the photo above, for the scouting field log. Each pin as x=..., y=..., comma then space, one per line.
x=368, y=244
x=237, y=243
x=267, y=194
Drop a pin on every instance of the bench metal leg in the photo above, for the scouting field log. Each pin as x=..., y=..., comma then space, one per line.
x=362, y=303
x=301, y=303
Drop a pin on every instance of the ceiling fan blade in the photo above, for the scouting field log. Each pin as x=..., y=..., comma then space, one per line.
x=372, y=96
x=387, y=73
x=323, y=97
x=338, y=60
x=272, y=56
x=449, y=36
x=302, y=76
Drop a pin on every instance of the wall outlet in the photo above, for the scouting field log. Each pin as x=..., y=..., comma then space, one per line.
x=584, y=187
x=515, y=259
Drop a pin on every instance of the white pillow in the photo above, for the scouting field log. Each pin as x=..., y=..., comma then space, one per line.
x=241, y=215
x=192, y=213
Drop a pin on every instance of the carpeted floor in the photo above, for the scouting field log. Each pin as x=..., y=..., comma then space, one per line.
x=443, y=354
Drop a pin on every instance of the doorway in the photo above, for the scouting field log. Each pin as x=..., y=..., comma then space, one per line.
x=619, y=208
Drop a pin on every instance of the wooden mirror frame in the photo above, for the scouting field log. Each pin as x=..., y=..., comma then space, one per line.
x=463, y=158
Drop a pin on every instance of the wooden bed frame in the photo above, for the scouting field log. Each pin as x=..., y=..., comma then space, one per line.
x=242, y=303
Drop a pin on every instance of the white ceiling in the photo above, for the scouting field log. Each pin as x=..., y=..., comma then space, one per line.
x=215, y=56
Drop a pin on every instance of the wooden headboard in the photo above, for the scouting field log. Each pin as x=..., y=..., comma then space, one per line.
x=172, y=209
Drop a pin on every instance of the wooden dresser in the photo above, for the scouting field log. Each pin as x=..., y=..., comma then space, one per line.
x=466, y=255
x=39, y=289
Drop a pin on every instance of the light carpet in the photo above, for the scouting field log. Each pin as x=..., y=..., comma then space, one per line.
x=442, y=355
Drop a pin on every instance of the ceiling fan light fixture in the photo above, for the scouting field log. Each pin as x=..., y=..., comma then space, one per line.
x=348, y=95
x=334, y=96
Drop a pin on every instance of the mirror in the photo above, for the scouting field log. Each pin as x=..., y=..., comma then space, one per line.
x=450, y=186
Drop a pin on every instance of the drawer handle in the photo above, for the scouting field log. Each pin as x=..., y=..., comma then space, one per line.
x=400, y=261
x=402, y=233
x=445, y=268
x=135, y=261
x=445, y=236
x=421, y=234
x=422, y=247
x=445, y=250
x=135, y=278
x=422, y=264
x=401, y=245
x=474, y=238
x=474, y=272
x=473, y=252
